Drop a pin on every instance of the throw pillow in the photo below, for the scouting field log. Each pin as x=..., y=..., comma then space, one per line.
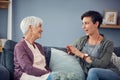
x=63, y=62
x=116, y=60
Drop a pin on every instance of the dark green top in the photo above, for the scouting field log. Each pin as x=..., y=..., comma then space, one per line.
x=103, y=60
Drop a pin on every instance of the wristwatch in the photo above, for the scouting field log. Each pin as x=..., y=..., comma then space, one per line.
x=85, y=56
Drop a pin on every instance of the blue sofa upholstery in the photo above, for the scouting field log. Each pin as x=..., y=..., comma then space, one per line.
x=4, y=73
x=6, y=59
x=117, y=51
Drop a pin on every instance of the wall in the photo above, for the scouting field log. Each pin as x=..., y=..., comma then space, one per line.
x=62, y=24
x=3, y=22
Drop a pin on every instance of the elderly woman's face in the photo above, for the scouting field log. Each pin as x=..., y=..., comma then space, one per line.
x=37, y=31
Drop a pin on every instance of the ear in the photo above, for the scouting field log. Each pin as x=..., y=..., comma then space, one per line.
x=30, y=28
x=97, y=23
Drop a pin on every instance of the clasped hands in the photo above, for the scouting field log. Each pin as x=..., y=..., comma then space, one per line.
x=72, y=50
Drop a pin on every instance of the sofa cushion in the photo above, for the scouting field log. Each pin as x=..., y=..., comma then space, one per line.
x=62, y=62
x=10, y=44
x=116, y=60
x=47, y=50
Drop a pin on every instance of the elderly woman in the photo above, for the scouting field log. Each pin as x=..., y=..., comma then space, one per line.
x=29, y=59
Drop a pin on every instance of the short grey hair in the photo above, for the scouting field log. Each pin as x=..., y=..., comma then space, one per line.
x=31, y=20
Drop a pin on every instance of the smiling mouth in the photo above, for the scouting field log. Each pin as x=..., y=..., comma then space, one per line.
x=86, y=30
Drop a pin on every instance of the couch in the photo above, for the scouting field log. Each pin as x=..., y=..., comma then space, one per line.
x=6, y=59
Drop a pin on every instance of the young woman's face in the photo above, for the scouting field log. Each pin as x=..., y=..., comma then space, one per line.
x=37, y=31
x=88, y=26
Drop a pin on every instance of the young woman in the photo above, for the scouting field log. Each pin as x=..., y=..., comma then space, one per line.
x=93, y=49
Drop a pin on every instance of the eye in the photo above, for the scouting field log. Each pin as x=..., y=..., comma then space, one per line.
x=85, y=23
x=40, y=26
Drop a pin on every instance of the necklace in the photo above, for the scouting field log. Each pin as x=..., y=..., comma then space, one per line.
x=91, y=51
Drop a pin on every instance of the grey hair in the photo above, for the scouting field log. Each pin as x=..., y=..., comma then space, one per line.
x=31, y=20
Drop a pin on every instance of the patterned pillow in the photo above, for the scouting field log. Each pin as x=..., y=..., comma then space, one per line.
x=67, y=65
x=116, y=60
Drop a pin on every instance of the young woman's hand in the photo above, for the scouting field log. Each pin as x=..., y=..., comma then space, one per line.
x=72, y=49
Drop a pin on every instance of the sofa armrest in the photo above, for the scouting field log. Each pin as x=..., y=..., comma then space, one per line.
x=4, y=73
x=117, y=51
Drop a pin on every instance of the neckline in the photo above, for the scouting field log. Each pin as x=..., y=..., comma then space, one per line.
x=94, y=46
x=30, y=43
x=91, y=45
x=98, y=37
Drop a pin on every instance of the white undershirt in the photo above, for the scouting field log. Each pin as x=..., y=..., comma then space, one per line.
x=39, y=59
